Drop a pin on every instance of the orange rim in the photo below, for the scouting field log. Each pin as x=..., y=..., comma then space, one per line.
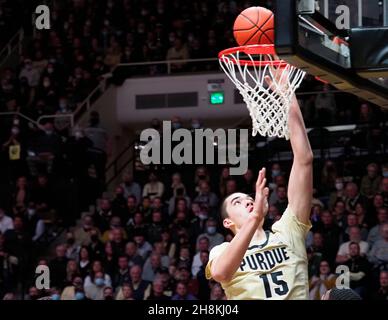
x=257, y=49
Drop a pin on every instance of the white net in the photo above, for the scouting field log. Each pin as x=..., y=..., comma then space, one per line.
x=268, y=104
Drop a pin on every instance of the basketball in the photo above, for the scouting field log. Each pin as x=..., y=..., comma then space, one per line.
x=254, y=25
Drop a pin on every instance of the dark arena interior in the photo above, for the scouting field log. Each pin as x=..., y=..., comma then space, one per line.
x=78, y=199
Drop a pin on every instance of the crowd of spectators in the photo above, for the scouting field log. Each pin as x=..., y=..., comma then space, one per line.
x=151, y=239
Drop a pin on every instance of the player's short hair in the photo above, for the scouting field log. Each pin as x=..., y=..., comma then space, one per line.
x=224, y=213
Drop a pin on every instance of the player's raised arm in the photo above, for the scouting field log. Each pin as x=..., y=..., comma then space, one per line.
x=300, y=185
x=226, y=264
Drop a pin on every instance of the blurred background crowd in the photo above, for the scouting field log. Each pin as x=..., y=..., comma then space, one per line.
x=150, y=238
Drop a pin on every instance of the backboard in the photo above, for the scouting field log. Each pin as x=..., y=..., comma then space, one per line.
x=343, y=42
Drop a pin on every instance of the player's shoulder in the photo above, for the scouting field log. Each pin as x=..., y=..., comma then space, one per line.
x=218, y=249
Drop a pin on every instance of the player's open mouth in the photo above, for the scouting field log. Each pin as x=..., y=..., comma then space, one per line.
x=250, y=209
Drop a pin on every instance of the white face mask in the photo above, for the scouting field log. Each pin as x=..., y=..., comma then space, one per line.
x=339, y=186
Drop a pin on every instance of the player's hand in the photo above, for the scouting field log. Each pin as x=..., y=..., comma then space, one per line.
x=261, y=198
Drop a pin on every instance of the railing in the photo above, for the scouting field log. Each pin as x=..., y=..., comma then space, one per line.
x=128, y=155
x=167, y=63
x=16, y=42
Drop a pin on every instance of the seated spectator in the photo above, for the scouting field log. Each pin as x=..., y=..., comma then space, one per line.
x=143, y=247
x=34, y=224
x=131, y=209
x=131, y=188
x=82, y=235
x=370, y=183
x=354, y=236
x=103, y=215
x=339, y=214
x=217, y=293
x=84, y=262
x=109, y=259
x=384, y=186
x=151, y=267
x=177, y=186
x=121, y=275
x=359, y=267
x=169, y=246
x=94, y=285
x=73, y=291
x=131, y=253
x=157, y=291
x=211, y=233
x=140, y=287
x=30, y=73
x=375, y=233
x=282, y=201
x=115, y=227
x=58, y=267
x=135, y=225
x=230, y=187
x=154, y=188
x=381, y=294
x=71, y=271
x=322, y=282
x=179, y=202
x=203, y=245
x=184, y=275
x=314, y=261
x=96, y=247
x=108, y=293
x=203, y=283
x=160, y=249
x=125, y=292
x=353, y=196
x=378, y=254
x=206, y=196
x=6, y=223
x=155, y=227
x=181, y=293
x=200, y=215
x=119, y=204
x=363, y=220
x=338, y=194
x=352, y=221
x=72, y=249
x=178, y=52
x=145, y=208
x=331, y=235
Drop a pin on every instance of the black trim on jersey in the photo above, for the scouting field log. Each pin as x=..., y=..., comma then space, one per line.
x=259, y=246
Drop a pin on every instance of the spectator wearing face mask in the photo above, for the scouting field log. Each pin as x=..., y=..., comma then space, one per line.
x=338, y=194
x=211, y=233
x=74, y=291
x=94, y=285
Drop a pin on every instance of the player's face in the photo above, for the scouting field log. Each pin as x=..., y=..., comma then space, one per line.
x=238, y=206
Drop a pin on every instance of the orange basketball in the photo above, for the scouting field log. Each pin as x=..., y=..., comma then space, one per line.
x=254, y=25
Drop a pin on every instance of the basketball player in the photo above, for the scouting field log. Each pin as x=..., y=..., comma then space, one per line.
x=268, y=265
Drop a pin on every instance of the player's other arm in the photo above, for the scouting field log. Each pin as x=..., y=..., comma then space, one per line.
x=300, y=185
x=226, y=264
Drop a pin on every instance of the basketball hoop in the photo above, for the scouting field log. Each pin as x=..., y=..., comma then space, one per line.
x=268, y=105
